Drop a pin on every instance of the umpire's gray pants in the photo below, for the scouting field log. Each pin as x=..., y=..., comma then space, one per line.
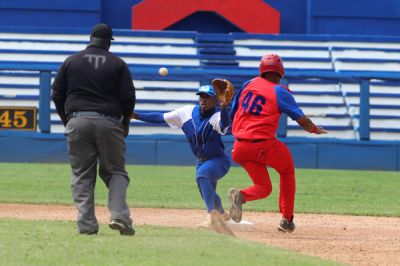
x=91, y=140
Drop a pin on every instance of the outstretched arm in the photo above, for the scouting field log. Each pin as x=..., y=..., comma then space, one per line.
x=153, y=117
x=309, y=126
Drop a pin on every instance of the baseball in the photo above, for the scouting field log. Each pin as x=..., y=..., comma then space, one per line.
x=163, y=71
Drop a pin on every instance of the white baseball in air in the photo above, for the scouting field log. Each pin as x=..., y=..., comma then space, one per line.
x=163, y=71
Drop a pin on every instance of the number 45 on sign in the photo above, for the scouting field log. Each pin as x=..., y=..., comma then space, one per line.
x=18, y=118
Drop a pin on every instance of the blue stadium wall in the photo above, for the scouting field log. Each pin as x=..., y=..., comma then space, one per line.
x=44, y=13
x=174, y=150
x=360, y=17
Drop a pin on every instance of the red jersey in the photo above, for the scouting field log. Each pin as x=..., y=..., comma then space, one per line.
x=257, y=108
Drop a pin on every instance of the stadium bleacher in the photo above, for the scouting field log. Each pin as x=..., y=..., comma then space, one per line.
x=19, y=88
x=384, y=107
x=324, y=103
x=331, y=102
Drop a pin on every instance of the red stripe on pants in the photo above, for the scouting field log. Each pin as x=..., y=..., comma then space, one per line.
x=254, y=158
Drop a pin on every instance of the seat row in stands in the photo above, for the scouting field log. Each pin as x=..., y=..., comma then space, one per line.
x=194, y=59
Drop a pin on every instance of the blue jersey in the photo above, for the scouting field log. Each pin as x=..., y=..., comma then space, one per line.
x=202, y=133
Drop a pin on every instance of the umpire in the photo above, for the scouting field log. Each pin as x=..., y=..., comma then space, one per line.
x=94, y=96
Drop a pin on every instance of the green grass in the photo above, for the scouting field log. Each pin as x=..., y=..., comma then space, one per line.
x=51, y=243
x=372, y=193
x=55, y=243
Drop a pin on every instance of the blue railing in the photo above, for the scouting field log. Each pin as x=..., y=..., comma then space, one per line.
x=44, y=101
x=363, y=78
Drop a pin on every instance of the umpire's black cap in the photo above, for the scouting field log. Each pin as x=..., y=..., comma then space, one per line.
x=102, y=31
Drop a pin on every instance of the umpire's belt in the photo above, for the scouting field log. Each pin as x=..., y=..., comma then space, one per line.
x=252, y=140
x=91, y=113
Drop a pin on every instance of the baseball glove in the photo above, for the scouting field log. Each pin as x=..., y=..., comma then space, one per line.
x=224, y=90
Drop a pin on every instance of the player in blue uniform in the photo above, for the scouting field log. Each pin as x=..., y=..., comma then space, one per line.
x=203, y=125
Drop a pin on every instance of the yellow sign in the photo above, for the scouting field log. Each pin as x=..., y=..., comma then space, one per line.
x=18, y=118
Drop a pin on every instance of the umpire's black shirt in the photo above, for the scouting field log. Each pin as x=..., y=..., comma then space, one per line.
x=94, y=80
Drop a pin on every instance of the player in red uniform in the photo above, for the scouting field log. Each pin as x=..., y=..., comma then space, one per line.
x=256, y=110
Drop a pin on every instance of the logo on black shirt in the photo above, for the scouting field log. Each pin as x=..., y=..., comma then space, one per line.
x=96, y=60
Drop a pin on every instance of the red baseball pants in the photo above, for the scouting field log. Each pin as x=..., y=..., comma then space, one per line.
x=254, y=157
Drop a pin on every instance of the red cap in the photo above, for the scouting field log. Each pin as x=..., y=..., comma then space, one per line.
x=272, y=63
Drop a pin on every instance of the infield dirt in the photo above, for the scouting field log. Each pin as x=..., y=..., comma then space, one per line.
x=353, y=240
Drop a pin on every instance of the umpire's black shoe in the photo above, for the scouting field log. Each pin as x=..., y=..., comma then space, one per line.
x=123, y=228
x=235, y=202
x=286, y=226
x=88, y=233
